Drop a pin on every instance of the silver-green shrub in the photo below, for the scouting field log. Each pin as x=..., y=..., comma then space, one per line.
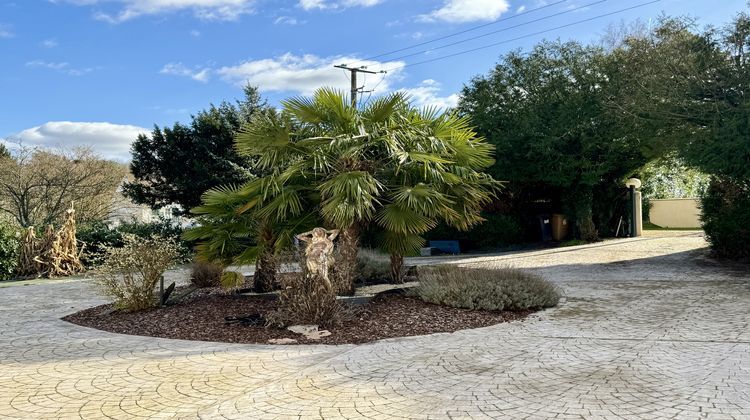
x=130, y=273
x=494, y=289
x=372, y=266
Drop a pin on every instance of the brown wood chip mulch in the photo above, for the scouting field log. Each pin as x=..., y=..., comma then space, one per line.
x=201, y=317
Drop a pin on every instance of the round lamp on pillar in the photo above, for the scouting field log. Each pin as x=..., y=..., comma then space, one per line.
x=635, y=223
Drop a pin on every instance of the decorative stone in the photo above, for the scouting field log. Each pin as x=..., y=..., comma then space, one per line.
x=310, y=332
x=282, y=341
x=303, y=329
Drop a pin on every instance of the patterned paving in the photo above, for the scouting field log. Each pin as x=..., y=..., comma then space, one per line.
x=649, y=328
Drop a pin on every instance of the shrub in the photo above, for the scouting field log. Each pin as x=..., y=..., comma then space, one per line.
x=9, y=245
x=205, y=274
x=130, y=273
x=483, y=288
x=98, y=237
x=304, y=300
x=372, y=266
x=726, y=217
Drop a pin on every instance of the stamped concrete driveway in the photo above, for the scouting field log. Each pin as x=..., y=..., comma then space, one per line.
x=650, y=328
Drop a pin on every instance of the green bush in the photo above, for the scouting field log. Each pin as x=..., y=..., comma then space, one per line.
x=9, y=243
x=726, y=217
x=484, y=288
x=98, y=236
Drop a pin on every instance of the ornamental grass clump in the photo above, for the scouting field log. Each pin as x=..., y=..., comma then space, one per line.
x=130, y=273
x=496, y=289
x=203, y=275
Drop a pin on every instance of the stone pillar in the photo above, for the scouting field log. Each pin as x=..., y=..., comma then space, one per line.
x=638, y=208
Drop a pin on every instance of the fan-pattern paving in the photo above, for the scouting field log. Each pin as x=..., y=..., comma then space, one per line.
x=649, y=328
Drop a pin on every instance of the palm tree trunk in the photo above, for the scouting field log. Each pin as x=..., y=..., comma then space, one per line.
x=264, y=279
x=397, y=264
x=346, y=266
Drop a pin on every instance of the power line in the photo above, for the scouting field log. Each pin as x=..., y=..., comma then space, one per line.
x=571, y=10
x=465, y=30
x=525, y=36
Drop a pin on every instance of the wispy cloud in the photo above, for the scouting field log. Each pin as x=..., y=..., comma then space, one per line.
x=61, y=67
x=179, y=69
x=461, y=11
x=203, y=9
x=49, y=43
x=336, y=4
x=6, y=32
x=287, y=20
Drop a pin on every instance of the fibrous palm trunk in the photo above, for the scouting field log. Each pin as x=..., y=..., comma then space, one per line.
x=397, y=264
x=346, y=266
x=264, y=279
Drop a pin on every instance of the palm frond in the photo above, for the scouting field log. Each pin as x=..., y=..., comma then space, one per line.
x=398, y=218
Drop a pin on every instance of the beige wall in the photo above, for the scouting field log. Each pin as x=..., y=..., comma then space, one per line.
x=675, y=213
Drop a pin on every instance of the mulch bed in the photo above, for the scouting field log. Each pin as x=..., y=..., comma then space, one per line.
x=201, y=317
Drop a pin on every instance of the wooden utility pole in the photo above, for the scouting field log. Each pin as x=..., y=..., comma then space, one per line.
x=354, y=71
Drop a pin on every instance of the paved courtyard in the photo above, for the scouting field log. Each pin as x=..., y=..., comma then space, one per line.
x=650, y=328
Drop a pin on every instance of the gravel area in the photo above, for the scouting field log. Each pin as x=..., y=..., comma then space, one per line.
x=202, y=317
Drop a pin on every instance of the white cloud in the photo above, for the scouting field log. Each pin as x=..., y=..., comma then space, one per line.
x=427, y=94
x=178, y=69
x=203, y=9
x=336, y=4
x=111, y=141
x=461, y=11
x=306, y=73
x=521, y=9
x=61, y=67
x=49, y=43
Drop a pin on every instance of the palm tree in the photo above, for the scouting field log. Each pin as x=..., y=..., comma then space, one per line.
x=387, y=165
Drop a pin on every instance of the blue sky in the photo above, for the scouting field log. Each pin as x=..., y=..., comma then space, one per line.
x=97, y=72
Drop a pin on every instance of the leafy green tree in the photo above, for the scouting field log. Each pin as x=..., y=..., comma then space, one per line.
x=176, y=165
x=547, y=114
x=386, y=166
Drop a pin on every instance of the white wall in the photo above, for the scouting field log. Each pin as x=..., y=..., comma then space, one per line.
x=676, y=213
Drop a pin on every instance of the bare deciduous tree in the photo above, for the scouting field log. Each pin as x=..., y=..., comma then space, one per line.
x=38, y=185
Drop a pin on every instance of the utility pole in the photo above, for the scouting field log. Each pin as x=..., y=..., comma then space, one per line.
x=354, y=71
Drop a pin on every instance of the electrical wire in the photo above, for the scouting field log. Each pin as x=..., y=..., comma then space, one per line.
x=525, y=36
x=466, y=30
x=571, y=10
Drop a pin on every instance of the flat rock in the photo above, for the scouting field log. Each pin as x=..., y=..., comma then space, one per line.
x=282, y=341
x=303, y=329
x=311, y=332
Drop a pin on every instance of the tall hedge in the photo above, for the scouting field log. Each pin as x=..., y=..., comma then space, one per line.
x=726, y=217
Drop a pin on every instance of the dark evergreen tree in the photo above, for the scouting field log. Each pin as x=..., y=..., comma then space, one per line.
x=177, y=165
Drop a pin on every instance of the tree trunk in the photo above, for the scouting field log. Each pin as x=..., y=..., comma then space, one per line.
x=397, y=264
x=346, y=266
x=583, y=213
x=264, y=279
